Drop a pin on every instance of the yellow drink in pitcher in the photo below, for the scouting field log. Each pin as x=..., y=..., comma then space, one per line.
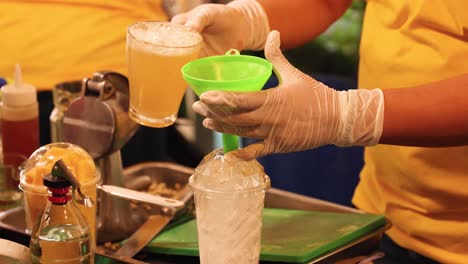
x=156, y=51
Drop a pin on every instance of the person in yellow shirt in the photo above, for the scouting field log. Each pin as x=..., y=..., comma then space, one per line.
x=65, y=40
x=411, y=109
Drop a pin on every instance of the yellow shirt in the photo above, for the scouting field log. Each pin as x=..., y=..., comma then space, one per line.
x=423, y=191
x=61, y=40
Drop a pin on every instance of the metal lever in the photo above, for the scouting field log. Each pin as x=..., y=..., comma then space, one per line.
x=60, y=169
x=141, y=196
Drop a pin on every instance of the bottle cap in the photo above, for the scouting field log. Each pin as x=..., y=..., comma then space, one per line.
x=18, y=93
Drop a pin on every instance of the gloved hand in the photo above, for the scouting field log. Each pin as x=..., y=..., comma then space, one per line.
x=301, y=113
x=241, y=24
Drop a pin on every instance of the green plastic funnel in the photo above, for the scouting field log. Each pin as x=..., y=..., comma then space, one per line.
x=230, y=72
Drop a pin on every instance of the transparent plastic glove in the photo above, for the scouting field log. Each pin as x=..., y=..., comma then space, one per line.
x=241, y=24
x=301, y=113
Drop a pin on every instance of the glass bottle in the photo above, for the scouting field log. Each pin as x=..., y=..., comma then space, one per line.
x=60, y=235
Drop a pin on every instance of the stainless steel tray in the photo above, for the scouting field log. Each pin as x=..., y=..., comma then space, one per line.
x=12, y=222
x=164, y=172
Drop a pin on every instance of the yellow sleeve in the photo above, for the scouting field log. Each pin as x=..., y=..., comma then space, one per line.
x=61, y=40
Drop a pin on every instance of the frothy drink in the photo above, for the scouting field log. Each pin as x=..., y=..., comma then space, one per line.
x=156, y=51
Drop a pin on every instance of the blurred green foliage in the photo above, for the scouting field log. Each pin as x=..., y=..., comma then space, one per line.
x=336, y=51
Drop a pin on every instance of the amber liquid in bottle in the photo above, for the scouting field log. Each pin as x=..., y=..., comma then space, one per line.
x=20, y=139
x=60, y=235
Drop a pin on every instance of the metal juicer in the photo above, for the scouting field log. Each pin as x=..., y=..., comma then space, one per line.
x=96, y=119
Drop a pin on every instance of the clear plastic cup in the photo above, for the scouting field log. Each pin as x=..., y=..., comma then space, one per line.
x=229, y=200
x=40, y=163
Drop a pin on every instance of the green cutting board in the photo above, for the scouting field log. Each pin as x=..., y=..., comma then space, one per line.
x=287, y=235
